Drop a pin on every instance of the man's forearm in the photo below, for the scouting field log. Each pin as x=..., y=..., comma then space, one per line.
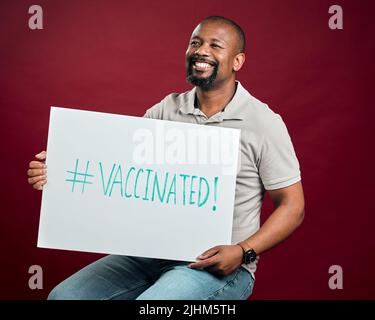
x=282, y=222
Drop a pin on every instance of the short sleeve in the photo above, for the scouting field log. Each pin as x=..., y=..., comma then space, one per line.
x=148, y=114
x=278, y=164
x=155, y=112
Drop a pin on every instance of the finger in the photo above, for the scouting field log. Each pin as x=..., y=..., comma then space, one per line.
x=209, y=253
x=36, y=172
x=37, y=165
x=41, y=155
x=203, y=263
x=39, y=185
x=36, y=179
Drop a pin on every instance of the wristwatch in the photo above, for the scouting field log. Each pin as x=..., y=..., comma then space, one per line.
x=249, y=255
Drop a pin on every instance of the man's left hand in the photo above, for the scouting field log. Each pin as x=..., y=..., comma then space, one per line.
x=220, y=260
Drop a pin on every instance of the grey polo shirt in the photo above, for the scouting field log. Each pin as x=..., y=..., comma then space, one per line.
x=268, y=159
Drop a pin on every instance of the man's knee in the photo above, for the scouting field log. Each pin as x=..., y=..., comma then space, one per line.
x=66, y=291
x=60, y=293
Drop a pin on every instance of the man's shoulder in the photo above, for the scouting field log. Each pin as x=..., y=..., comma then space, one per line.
x=260, y=117
x=257, y=109
x=168, y=106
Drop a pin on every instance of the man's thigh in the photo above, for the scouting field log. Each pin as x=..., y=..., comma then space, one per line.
x=111, y=277
x=183, y=283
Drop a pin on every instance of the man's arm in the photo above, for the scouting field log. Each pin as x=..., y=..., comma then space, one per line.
x=288, y=215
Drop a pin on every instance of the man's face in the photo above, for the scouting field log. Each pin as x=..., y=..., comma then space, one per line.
x=210, y=54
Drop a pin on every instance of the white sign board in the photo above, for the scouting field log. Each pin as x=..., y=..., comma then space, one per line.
x=134, y=186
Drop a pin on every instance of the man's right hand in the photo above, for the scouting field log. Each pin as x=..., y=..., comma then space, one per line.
x=37, y=172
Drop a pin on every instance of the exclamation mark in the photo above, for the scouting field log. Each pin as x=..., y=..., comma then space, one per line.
x=215, y=193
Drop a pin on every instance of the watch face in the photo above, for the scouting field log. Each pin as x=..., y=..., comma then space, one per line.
x=249, y=256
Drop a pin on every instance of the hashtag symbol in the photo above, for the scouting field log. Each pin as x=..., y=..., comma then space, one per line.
x=80, y=177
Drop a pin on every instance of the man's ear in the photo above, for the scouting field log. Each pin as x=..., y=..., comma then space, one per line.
x=238, y=61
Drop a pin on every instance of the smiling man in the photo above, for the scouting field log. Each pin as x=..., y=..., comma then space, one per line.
x=216, y=51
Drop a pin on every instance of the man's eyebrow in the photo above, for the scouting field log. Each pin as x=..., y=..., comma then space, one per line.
x=212, y=39
x=218, y=40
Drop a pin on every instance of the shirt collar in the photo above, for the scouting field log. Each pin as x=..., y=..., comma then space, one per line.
x=234, y=110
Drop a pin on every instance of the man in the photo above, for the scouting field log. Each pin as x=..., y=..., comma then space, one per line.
x=268, y=163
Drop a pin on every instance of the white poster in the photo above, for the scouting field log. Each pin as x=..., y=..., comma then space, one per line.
x=134, y=186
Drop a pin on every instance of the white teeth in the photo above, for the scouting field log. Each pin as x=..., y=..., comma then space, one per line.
x=202, y=65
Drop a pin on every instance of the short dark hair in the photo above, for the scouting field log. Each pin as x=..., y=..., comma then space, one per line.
x=237, y=28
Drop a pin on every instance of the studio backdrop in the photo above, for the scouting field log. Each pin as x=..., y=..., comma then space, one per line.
x=124, y=56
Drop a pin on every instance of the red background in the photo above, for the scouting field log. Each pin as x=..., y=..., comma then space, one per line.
x=124, y=56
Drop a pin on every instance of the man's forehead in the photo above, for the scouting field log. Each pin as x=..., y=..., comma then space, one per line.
x=215, y=30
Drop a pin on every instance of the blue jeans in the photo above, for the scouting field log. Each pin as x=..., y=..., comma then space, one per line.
x=121, y=277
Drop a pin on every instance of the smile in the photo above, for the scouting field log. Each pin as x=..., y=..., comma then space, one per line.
x=201, y=66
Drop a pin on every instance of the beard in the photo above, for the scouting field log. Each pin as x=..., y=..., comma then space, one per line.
x=204, y=83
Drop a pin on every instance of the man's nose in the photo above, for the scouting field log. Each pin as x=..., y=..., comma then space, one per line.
x=203, y=50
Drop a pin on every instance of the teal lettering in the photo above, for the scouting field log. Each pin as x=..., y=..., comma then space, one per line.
x=136, y=182
x=147, y=181
x=216, y=179
x=172, y=189
x=115, y=181
x=126, y=182
x=184, y=176
x=165, y=187
x=156, y=186
x=105, y=189
x=191, y=189
x=202, y=202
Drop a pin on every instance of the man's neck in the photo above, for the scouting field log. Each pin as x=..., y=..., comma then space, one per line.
x=215, y=100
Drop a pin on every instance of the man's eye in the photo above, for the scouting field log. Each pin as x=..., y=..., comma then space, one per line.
x=194, y=43
x=215, y=45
